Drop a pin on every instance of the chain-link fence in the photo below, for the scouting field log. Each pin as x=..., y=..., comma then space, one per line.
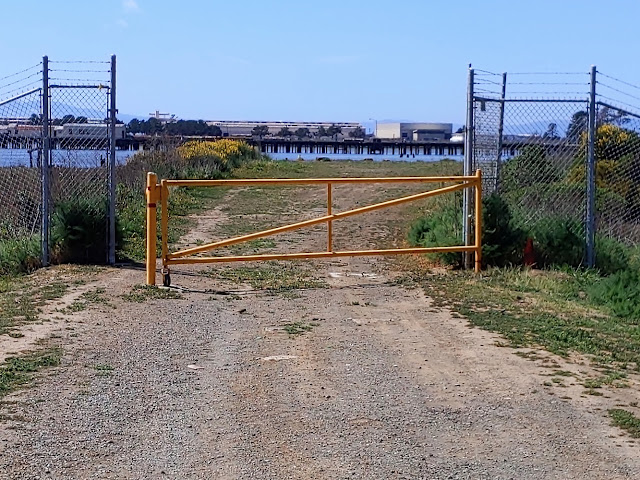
x=57, y=155
x=561, y=149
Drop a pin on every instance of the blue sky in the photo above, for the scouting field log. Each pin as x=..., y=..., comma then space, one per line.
x=318, y=61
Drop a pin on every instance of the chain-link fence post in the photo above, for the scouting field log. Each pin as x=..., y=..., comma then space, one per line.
x=112, y=164
x=500, y=131
x=591, y=175
x=45, y=161
x=468, y=167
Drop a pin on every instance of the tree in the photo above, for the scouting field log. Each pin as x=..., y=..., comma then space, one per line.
x=611, y=116
x=357, y=132
x=81, y=120
x=285, y=132
x=214, y=131
x=260, y=131
x=321, y=132
x=334, y=131
x=35, y=119
x=552, y=131
x=302, y=133
x=577, y=126
x=133, y=126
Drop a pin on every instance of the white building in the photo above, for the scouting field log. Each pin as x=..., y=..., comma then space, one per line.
x=417, y=132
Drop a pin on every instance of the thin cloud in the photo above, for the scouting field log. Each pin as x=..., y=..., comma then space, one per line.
x=130, y=6
x=122, y=23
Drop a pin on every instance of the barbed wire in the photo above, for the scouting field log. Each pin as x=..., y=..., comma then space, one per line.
x=548, y=73
x=85, y=80
x=618, y=91
x=79, y=61
x=486, y=72
x=21, y=88
x=78, y=71
x=618, y=80
x=21, y=71
x=615, y=100
x=20, y=80
x=548, y=83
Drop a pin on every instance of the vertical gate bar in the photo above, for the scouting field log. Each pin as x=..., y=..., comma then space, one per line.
x=591, y=176
x=45, y=174
x=112, y=164
x=478, y=215
x=152, y=180
x=503, y=95
x=468, y=165
x=164, y=220
x=329, y=223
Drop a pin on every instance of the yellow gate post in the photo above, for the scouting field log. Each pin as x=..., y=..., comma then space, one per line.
x=478, y=233
x=152, y=197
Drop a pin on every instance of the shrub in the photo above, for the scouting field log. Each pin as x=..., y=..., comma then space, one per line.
x=620, y=292
x=502, y=241
x=79, y=231
x=223, y=155
x=441, y=228
x=611, y=255
x=20, y=255
x=531, y=167
x=558, y=241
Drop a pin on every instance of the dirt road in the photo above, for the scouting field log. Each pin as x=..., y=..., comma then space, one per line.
x=355, y=377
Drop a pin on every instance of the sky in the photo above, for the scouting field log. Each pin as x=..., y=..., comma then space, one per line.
x=330, y=60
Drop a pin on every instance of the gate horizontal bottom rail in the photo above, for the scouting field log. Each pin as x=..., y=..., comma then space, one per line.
x=159, y=193
x=302, y=255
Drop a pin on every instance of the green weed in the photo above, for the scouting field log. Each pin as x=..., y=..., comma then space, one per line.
x=272, y=276
x=625, y=420
x=297, y=328
x=17, y=371
x=142, y=293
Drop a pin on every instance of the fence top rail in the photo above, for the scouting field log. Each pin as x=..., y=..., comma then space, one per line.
x=478, y=98
x=313, y=181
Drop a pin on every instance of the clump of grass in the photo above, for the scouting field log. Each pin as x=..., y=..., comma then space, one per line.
x=297, y=328
x=20, y=300
x=19, y=255
x=142, y=293
x=271, y=276
x=615, y=379
x=18, y=371
x=625, y=420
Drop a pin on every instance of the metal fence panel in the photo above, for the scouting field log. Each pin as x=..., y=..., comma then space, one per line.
x=21, y=155
x=68, y=160
x=617, y=174
x=533, y=163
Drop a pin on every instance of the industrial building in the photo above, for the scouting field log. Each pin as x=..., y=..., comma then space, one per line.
x=231, y=128
x=416, y=132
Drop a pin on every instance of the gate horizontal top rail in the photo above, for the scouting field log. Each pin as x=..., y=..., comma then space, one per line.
x=160, y=193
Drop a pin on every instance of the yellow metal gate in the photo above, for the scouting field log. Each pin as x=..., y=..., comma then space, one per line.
x=159, y=193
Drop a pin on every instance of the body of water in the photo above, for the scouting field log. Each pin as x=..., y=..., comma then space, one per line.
x=375, y=158
x=13, y=157
x=96, y=158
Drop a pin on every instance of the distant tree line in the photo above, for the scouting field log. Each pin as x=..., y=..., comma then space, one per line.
x=261, y=131
x=153, y=126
